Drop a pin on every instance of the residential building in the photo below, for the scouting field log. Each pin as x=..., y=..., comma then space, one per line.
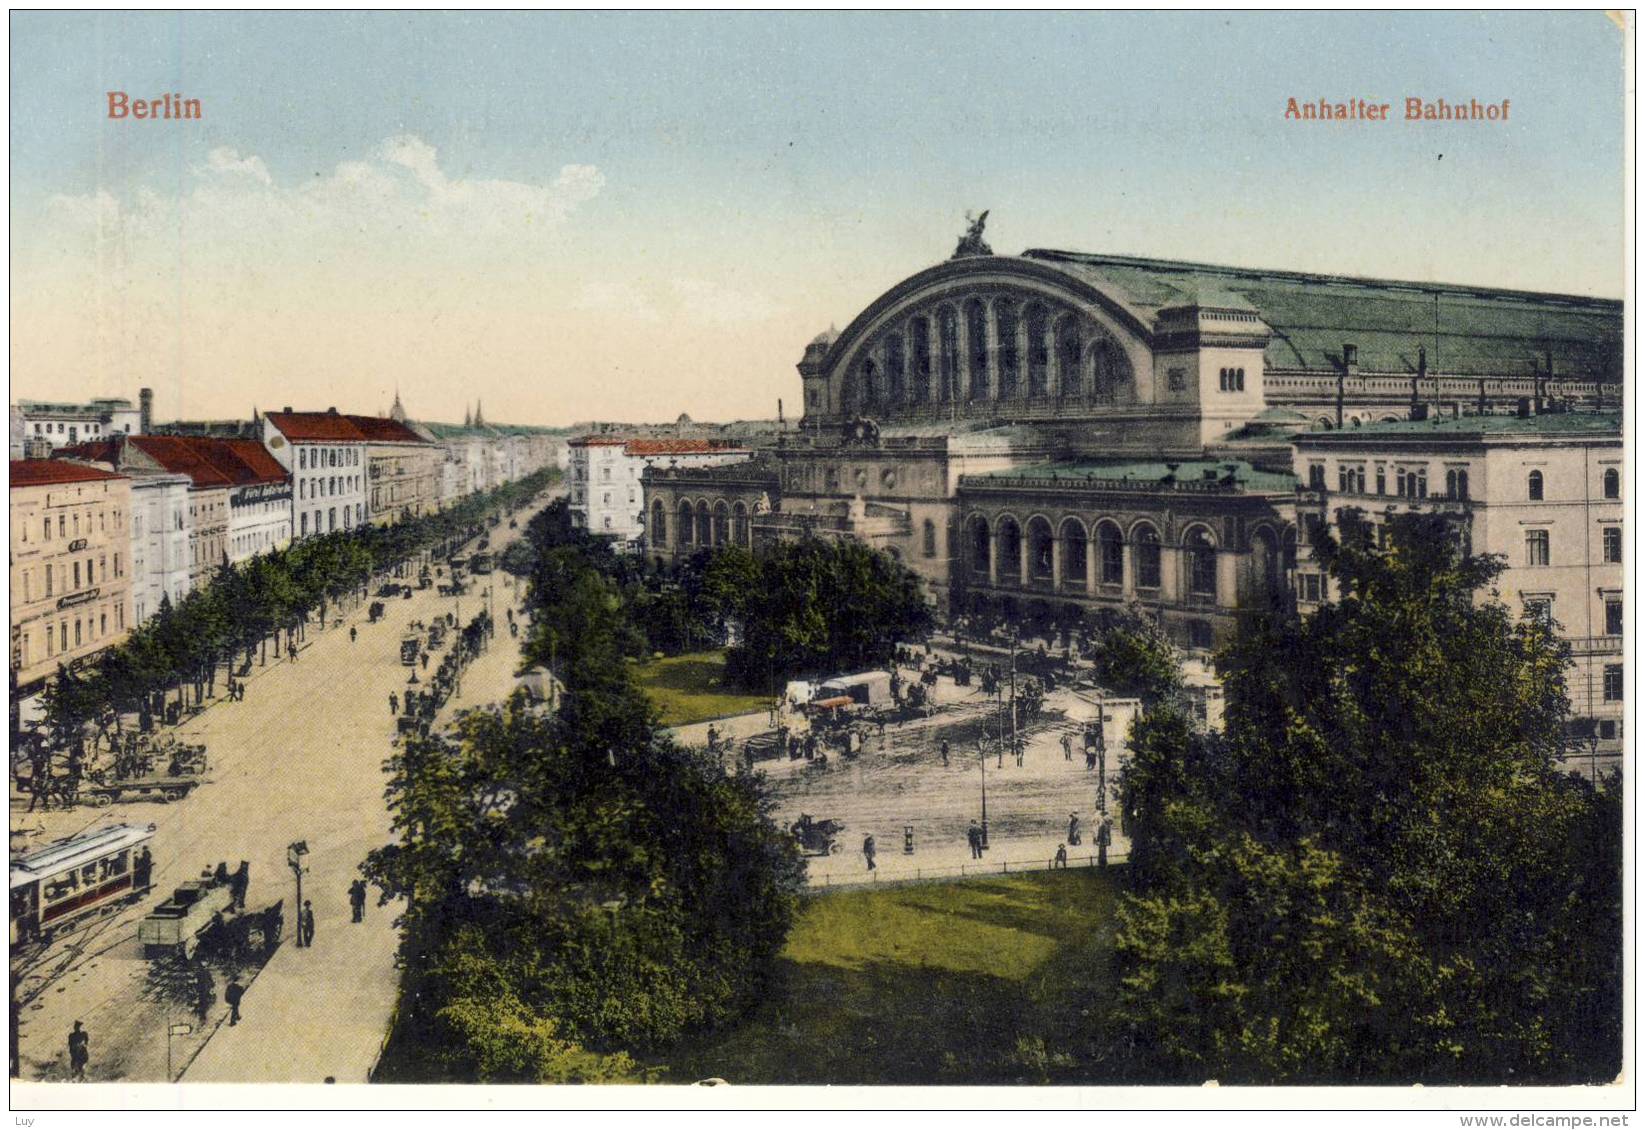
x=58, y=424
x=70, y=559
x=606, y=488
x=325, y=454
x=402, y=468
x=1543, y=491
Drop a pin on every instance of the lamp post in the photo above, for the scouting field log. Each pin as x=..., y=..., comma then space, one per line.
x=295, y=854
x=982, y=762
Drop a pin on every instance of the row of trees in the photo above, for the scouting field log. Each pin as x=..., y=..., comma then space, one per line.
x=185, y=647
x=1378, y=872
x=578, y=887
x=782, y=606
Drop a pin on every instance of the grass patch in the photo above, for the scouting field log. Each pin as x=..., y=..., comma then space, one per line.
x=980, y=981
x=690, y=688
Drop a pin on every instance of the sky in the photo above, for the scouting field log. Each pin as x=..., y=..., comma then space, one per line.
x=625, y=216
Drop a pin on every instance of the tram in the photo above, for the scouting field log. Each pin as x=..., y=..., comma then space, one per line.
x=77, y=878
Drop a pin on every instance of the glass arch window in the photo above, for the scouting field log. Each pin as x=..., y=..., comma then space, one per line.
x=1147, y=546
x=1533, y=486
x=1202, y=564
x=1111, y=554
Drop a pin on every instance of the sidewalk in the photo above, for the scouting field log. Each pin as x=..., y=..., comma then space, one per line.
x=948, y=862
x=324, y=1012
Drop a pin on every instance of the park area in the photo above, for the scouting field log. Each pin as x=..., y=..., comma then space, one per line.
x=986, y=981
x=690, y=688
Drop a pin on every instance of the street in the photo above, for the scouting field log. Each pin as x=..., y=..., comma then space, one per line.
x=300, y=758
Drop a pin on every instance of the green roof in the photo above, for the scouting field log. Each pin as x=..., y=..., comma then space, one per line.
x=1153, y=474
x=1548, y=423
x=1468, y=331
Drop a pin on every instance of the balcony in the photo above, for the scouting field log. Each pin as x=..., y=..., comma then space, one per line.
x=1596, y=645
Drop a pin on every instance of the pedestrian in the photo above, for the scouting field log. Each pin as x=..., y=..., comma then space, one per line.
x=1062, y=857
x=868, y=850
x=357, y=899
x=393, y=703
x=352, y=634
x=205, y=992
x=237, y=884
x=141, y=868
x=1068, y=747
x=305, y=925
x=232, y=994
x=973, y=836
x=1090, y=758
x=1073, y=828
x=1018, y=745
x=79, y=1052
x=425, y=661
x=945, y=753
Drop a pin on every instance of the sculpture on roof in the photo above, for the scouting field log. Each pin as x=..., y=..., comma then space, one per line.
x=861, y=430
x=971, y=243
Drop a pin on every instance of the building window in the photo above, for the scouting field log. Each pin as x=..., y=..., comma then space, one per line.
x=1540, y=609
x=928, y=538
x=1148, y=557
x=1202, y=564
x=48, y=580
x=1613, y=545
x=1536, y=547
x=1316, y=476
x=1533, y=486
x=1613, y=616
x=77, y=574
x=1199, y=634
x=1176, y=379
x=1456, y=483
x=1613, y=483
x=1110, y=555
x=1607, y=730
x=1613, y=682
x=1309, y=587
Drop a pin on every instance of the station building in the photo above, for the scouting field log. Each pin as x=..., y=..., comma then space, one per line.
x=1049, y=433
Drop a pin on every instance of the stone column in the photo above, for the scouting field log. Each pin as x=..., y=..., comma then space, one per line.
x=962, y=356
x=1227, y=578
x=1023, y=554
x=1023, y=391
x=993, y=554
x=1170, y=572
x=1091, y=563
x=933, y=353
x=1057, y=551
x=991, y=329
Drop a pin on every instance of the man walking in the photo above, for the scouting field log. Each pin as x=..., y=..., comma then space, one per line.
x=79, y=1052
x=393, y=703
x=945, y=753
x=357, y=899
x=1074, y=828
x=305, y=925
x=237, y=884
x=232, y=995
x=868, y=850
x=1068, y=747
x=353, y=633
x=973, y=837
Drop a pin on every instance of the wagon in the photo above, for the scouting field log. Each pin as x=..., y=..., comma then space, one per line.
x=817, y=837
x=175, y=924
x=162, y=789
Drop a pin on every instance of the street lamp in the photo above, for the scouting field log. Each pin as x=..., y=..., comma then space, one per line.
x=295, y=854
x=982, y=761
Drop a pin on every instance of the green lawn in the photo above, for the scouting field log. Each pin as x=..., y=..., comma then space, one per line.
x=687, y=688
x=985, y=981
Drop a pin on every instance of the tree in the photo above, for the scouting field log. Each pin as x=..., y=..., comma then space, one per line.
x=1132, y=656
x=1388, y=877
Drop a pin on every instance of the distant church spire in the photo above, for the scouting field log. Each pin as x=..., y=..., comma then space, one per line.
x=398, y=412
x=468, y=417
x=479, y=415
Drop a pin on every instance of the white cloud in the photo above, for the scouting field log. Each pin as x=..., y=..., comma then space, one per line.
x=612, y=297
x=396, y=200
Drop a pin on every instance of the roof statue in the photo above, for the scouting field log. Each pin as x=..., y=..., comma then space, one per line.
x=971, y=243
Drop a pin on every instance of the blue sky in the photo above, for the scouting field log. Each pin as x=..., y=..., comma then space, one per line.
x=738, y=181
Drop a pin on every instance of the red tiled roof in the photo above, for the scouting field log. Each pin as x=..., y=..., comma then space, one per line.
x=50, y=472
x=179, y=454
x=678, y=447
x=384, y=430
x=316, y=427
x=244, y=461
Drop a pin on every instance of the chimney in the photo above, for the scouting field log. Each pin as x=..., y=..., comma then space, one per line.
x=1350, y=359
x=332, y=411
x=145, y=410
x=286, y=409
